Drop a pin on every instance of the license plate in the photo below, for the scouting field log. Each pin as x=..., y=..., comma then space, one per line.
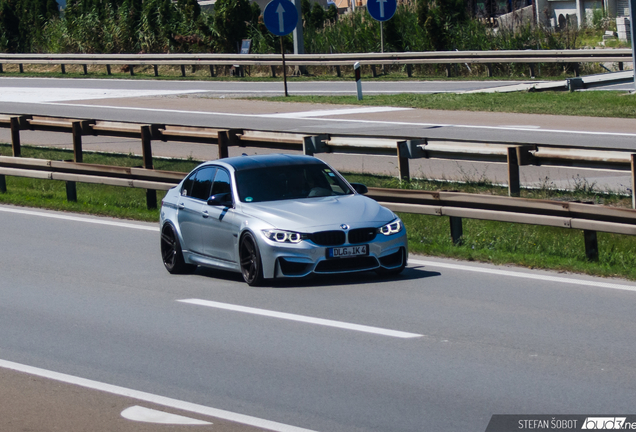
x=349, y=251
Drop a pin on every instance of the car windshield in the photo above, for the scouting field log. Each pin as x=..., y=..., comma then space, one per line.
x=289, y=182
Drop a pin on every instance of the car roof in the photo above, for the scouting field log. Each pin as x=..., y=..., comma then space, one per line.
x=241, y=163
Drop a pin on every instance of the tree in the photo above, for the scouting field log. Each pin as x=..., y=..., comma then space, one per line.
x=230, y=18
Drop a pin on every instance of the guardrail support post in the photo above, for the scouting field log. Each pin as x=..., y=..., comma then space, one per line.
x=223, y=143
x=338, y=72
x=15, y=137
x=156, y=69
x=375, y=74
x=409, y=70
x=146, y=137
x=71, y=191
x=108, y=70
x=212, y=73
x=77, y=142
x=514, y=187
x=63, y=68
x=591, y=245
x=532, y=74
x=634, y=181
x=403, y=165
x=85, y=67
x=456, y=230
x=183, y=71
x=489, y=68
x=132, y=70
x=21, y=66
x=1, y=70
x=3, y=184
x=448, y=71
x=315, y=144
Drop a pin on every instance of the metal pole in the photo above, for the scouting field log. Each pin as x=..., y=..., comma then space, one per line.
x=632, y=26
x=282, y=52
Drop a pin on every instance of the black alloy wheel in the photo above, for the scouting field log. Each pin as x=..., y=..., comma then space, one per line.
x=251, y=267
x=171, y=253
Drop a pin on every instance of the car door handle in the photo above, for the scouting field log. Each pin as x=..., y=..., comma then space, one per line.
x=205, y=214
x=181, y=206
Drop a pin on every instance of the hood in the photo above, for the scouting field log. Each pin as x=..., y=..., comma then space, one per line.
x=324, y=213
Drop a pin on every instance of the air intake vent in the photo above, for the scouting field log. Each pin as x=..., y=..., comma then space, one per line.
x=328, y=238
x=362, y=235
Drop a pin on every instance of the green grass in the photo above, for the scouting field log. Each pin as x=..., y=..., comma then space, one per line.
x=591, y=104
x=495, y=242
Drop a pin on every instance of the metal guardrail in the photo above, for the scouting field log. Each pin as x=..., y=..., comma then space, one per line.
x=514, y=154
x=348, y=59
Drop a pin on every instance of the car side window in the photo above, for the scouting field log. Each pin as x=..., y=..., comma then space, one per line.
x=200, y=183
x=222, y=183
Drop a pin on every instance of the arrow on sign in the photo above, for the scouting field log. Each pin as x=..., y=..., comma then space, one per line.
x=381, y=2
x=280, y=10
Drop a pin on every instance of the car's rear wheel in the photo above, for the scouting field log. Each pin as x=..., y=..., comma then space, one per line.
x=251, y=267
x=171, y=252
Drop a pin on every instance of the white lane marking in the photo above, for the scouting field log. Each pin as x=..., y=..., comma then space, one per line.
x=79, y=219
x=509, y=273
x=332, y=112
x=37, y=95
x=370, y=122
x=152, y=398
x=147, y=415
x=301, y=318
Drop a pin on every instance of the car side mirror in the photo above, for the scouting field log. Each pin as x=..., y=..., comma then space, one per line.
x=360, y=188
x=222, y=199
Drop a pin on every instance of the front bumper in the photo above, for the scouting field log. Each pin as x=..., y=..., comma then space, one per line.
x=287, y=260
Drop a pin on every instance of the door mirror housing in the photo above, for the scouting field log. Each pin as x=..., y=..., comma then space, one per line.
x=222, y=199
x=360, y=188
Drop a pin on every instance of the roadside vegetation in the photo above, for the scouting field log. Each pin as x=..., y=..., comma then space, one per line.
x=495, y=242
x=165, y=26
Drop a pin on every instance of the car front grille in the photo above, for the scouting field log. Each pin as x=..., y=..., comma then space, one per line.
x=347, y=264
x=362, y=235
x=328, y=238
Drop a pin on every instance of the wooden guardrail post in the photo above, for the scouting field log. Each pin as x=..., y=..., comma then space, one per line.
x=223, y=143
x=15, y=137
x=146, y=137
x=591, y=245
x=514, y=186
x=456, y=229
x=633, y=157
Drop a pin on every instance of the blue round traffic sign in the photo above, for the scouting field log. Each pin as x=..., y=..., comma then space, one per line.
x=280, y=17
x=381, y=10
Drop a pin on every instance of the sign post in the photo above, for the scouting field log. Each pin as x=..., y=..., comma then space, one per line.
x=280, y=18
x=382, y=10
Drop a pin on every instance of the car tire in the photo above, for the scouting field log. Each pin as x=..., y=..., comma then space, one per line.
x=171, y=252
x=250, y=258
x=394, y=271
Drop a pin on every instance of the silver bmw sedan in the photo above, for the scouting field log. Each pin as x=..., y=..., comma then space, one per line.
x=277, y=216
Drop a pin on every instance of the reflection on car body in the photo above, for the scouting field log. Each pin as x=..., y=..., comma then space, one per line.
x=277, y=216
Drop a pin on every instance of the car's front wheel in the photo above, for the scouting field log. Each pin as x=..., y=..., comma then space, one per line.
x=251, y=267
x=171, y=252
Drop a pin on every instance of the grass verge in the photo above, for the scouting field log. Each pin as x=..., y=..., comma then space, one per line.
x=495, y=242
x=590, y=103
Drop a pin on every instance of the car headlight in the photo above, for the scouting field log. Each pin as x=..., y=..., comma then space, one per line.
x=281, y=236
x=391, y=228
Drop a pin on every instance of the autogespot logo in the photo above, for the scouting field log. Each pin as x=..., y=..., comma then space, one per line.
x=604, y=423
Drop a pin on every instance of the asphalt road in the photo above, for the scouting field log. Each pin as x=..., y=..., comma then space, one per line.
x=88, y=297
x=197, y=104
